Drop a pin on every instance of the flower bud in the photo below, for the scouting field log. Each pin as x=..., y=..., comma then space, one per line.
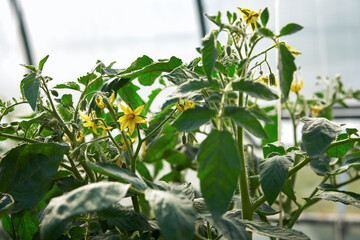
x=54, y=93
x=272, y=79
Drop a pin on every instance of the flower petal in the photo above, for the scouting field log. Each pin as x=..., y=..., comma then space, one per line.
x=125, y=109
x=139, y=109
x=138, y=119
x=84, y=117
x=122, y=118
x=131, y=127
x=124, y=124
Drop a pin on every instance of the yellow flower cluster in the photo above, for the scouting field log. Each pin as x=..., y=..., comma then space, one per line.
x=184, y=106
x=100, y=102
x=250, y=17
x=92, y=123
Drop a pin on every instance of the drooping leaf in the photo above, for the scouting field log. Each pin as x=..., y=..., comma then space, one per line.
x=265, y=209
x=26, y=172
x=193, y=118
x=272, y=130
x=290, y=29
x=320, y=165
x=255, y=89
x=68, y=85
x=26, y=224
x=345, y=197
x=209, y=53
x=219, y=168
x=246, y=119
x=317, y=134
x=6, y=203
x=126, y=219
x=86, y=199
x=68, y=183
x=30, y=86
x=287, y=67
x=273, y=175
x=118, y=173
x=264, y=17
x=174, y=213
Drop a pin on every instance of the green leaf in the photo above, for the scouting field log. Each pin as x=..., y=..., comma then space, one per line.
x=153, y=68
x=192, y=85
x=139, y=63
x=178, y=158
x=68, y=85
x=86, y=79
x=90, y=198
x=126, y=219
x=26, y=172
x=160, y=147
x=347, y=198
x=118, y=173
x=339, y=151
x=42, y=62
x=174, y=213
x=255, y=89
x=290, y=29
x=265, y=209
x=30, y=86
x=317, y=134
x=37, y=118
x=6, y=204
x=180, y=75
x=266, y=229
x=275, y=147
x=288, y=190
x=151, y=98
x=7, y=226
x=246, y=119
x=273, y=175
x=26, y=224
x=209, y=53
x=69, y=183
x=351, y=131
x=272, y=130
x=219, y=168
x=287, y=67
x=146, y=79
x=264, y=17
x=193, y=118
x=67, y=100
x=266, y=32
x=129, y=94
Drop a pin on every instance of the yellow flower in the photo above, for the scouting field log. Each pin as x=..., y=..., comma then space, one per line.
x=182, y=107
x=99, y=102
x=66, y=138
x=293, y=51
x=296, y=87
x=79, y=136
x=130, y=117
x=112, y=98
x=250, y=17
x=316, y=110
x=264, y=80
x=92, y=123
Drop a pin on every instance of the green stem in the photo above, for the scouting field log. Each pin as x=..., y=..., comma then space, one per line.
x=295, y=217
x=341, y=142
x=83, y=93
x=18, y=138
x=9, y=107
x=208, y=230
x=247, y=212
x=74, y=169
